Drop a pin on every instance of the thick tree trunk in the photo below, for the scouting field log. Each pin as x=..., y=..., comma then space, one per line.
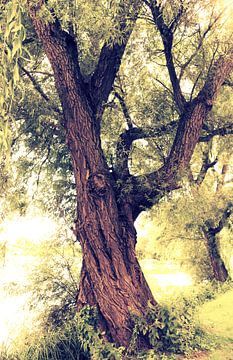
x=111, y=277
x=218, y=268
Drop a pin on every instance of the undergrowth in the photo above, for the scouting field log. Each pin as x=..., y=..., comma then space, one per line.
x=167, y=330
x=170, y=330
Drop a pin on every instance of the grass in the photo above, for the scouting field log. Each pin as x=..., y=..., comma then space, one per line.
x=167, y=282
x=216, y=317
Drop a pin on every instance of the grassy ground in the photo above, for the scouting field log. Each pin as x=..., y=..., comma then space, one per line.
x=216, y=317
x=167, y=281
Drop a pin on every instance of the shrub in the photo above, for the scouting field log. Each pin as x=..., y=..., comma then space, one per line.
x=170, y=330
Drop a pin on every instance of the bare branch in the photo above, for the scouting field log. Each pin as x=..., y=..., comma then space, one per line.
x=200, y=44
x=124, y=109
x=39, y=89
x=166, y=33
x=126, y=139
x=223, y=131
x=228, y=82
x=176, y=19
x=195, y=84
x=46, y=158
x=165, y=87
x=223, y=221
x=191, y=122
x=206, y=165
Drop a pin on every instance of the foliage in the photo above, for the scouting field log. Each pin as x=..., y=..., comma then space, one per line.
x=12, y=34
x=61, y=344
x=90, y=334
x=54, y=282
x=170, y=330
x=173, y=230
x=94, y=25
x=78, y=338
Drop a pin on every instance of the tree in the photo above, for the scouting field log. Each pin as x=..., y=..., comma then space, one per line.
x=109, y=200
x=210, y=232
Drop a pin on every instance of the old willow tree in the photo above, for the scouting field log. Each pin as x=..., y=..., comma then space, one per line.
x=110, y=198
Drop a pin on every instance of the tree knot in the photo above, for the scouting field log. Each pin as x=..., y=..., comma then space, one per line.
x=97, y=184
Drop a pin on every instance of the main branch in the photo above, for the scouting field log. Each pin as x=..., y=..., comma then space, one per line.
x=110, y=59
x=190, y=124
x=166, y=33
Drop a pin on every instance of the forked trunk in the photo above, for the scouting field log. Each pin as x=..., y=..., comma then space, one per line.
x=111, y=276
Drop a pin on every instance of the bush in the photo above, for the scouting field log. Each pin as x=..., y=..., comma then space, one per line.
x=170, y=330
x=61, y=344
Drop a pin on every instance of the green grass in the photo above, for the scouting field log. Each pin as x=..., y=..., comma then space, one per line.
x=216, y=317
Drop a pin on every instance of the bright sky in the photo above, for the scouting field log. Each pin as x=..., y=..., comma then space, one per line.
x=16, y=269
x=34, y=229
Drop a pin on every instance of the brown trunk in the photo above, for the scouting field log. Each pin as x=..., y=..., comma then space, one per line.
x=219, y=270
x=111, y=277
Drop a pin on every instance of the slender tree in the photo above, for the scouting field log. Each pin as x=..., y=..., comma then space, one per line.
x=210, y=232
x=110, y=200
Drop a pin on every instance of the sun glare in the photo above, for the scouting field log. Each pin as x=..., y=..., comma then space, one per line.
x=15, y=267
x=165, y=274
x=34, y=229
x=176, y=279
x=226, y=8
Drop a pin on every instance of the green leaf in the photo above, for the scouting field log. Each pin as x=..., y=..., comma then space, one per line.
x=17, y=46
x=16, y=73
x=12, y=12
x=9, y=28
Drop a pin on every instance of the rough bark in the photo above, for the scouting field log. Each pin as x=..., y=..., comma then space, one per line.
x=111, y=277
x=190, y=124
